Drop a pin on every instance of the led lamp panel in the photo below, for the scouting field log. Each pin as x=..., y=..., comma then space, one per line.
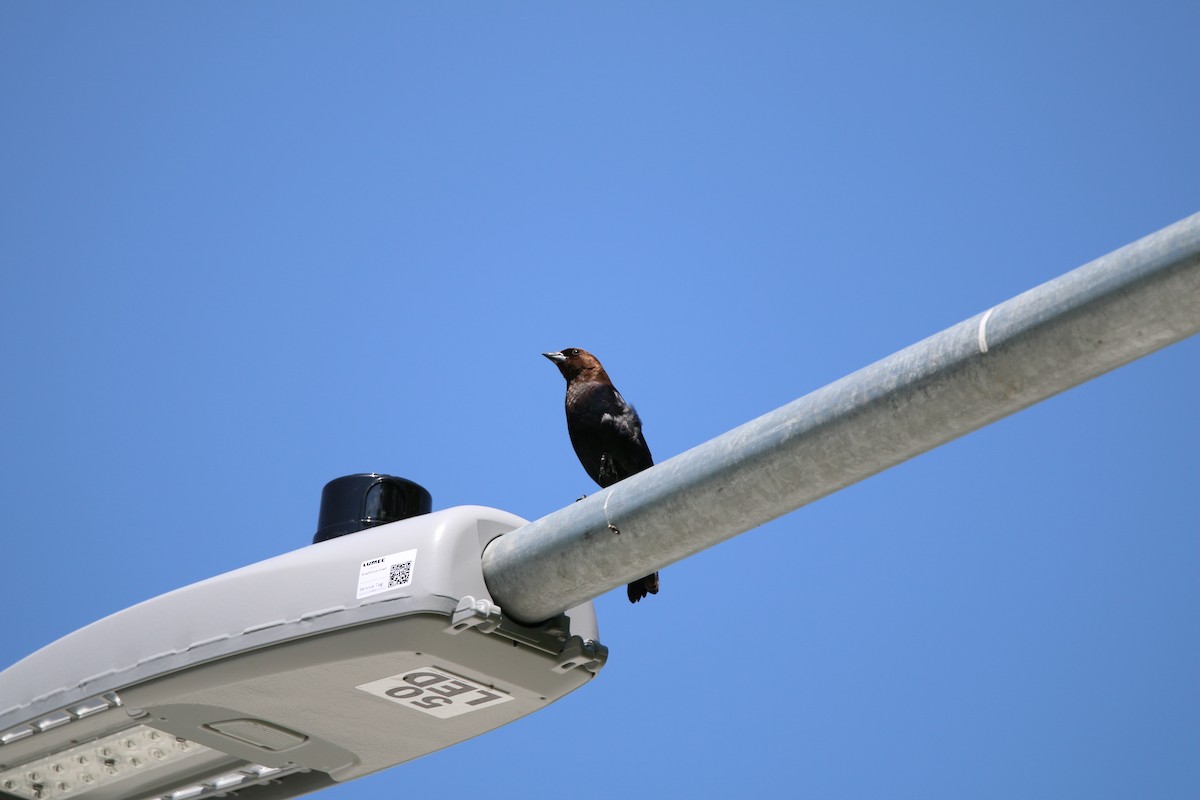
x=92, y=769
x=287, y=676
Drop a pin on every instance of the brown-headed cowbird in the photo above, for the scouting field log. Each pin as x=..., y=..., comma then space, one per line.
x=605, y=432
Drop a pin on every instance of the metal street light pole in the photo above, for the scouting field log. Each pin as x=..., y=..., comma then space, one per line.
x=1100, y=316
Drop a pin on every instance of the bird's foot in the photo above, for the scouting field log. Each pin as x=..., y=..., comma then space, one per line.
x=608, y=470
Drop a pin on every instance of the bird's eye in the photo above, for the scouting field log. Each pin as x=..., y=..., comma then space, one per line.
x=574, y=351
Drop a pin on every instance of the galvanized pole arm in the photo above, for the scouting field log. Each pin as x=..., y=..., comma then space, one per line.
x=1091, y=320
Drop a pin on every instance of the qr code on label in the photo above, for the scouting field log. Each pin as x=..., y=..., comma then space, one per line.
x=400, y=574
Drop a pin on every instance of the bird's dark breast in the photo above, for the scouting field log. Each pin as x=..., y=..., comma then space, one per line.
x=590, y=440
x=591, y=399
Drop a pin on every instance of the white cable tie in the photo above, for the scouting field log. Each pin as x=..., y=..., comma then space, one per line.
x=607, y=519
x=983, y=347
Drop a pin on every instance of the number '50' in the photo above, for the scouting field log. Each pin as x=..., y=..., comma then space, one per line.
x=406, y=692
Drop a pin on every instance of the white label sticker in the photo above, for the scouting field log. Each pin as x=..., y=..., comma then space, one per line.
x=386, y=572
x=436, y=692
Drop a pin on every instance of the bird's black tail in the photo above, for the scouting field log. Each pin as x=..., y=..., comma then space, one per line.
x=642, y=587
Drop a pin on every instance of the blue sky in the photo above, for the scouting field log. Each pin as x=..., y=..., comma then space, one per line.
x=248, y=248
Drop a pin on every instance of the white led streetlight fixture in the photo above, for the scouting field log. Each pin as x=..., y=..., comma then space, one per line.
x=319, y=666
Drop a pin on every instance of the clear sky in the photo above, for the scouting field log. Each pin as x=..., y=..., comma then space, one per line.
x=250, y=247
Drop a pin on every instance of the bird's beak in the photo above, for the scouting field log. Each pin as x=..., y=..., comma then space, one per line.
x=557, y=358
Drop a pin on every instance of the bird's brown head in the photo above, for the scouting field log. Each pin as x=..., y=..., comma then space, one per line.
x=574, y=363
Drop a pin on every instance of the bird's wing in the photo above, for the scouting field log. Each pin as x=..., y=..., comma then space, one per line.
x=622, y=416
x=626, y=442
